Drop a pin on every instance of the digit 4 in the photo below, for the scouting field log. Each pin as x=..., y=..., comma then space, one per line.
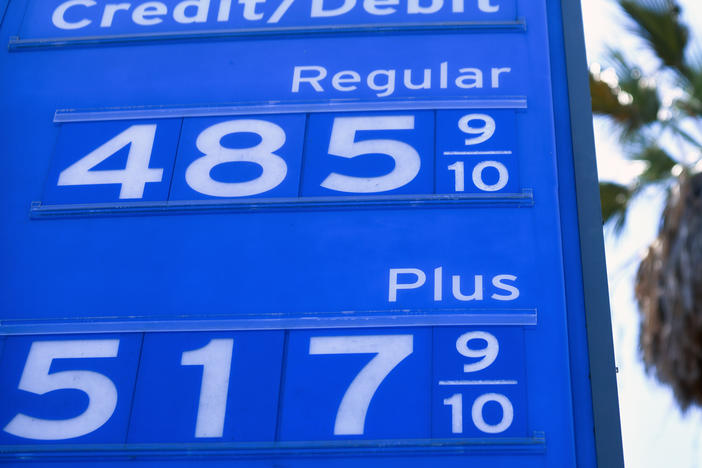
x=136, y=174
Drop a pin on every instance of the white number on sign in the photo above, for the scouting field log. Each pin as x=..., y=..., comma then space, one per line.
x=133, y=178
x=507, y=413
x=216, y=361
x=456, y=404
x=343, y=143
x=101, y=391
x=484, y=132
x=477, y=176
x=389, y=351
x=209, y=143
x=502, y=179
x=488, y=353
x=459, y=176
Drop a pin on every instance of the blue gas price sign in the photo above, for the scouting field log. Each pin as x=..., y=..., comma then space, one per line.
x=98, y=162
x=273, y=233
x=339, y=385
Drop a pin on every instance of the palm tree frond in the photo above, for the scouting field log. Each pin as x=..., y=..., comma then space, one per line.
x=659, y=164
x=605, y=101
x=632, y=104
x=658, y=23
x=642, y=93
x=691, y=103
x=615, y=202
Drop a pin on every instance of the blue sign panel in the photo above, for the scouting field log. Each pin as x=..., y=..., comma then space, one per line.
x=85, y=18
x=67, y=389
x=111, y=161
x=265, y=386
x=282, y=233
x=479, y=389
x=239, y=157
x=375, y=385
x=224, y=386
x=262, y=156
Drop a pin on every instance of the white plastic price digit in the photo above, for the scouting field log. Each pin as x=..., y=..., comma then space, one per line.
x=456, y=404
x=216, y=361
x=389, y=351
x=455, y=401
x=136, y=174
x=479, y=420
x=209, y=143
x=502, y=179
x=488, y=353
x=477, y=176
x=343, y=143
x=100, y=390
x=484, y=132
x=459, y=176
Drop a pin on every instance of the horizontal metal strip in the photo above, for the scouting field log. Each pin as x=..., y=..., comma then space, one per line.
x=469, y=383
x=224, y=450
x=154, y=112
x=18, y=44
x=39, y=211
x=346, y=319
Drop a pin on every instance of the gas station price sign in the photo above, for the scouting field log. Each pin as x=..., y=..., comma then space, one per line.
x=262, y=156
x=292, y=233
x=226, y=386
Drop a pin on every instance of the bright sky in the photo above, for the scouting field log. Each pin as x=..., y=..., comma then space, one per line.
x=655, y=433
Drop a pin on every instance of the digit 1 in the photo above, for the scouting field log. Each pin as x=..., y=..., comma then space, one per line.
x=456, y=404
x=457, y=168
x=216, y=361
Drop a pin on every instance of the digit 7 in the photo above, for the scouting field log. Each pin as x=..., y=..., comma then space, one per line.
x=389, y=351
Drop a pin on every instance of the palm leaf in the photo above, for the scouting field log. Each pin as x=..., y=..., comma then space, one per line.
x=691, y=103
x=657, y=22
x=605, y=101
x=632, y=104
x=615, y=201
x=644, y=99
x=659, y=165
